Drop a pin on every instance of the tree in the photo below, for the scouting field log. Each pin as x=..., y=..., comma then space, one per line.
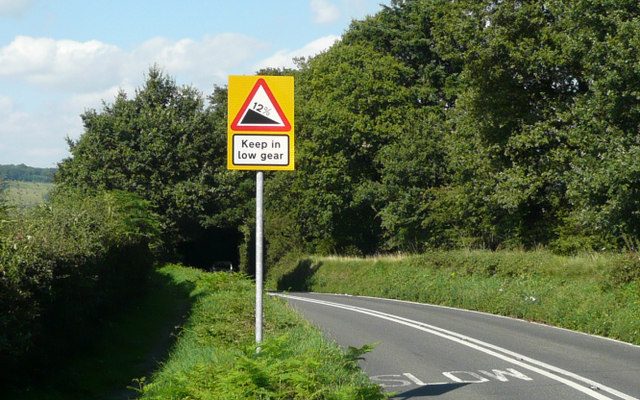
x=602, y=126
x=348, y=101
x=167, y=146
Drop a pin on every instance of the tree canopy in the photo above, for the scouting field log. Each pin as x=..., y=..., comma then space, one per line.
x=502, y=124
x=167, y=146
x=433, y=123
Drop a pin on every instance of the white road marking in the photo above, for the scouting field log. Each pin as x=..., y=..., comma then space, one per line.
x=495, y=316
x=487, y=348
x=499, y=375
x=390, y=378
x=453, y=375
x=414, y=379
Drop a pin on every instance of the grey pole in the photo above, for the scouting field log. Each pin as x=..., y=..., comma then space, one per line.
x=259, y=254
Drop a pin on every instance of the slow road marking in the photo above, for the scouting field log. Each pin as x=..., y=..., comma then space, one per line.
x=409, y=379
x=570, y=379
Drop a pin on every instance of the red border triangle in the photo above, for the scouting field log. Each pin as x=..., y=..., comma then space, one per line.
x=264, y=128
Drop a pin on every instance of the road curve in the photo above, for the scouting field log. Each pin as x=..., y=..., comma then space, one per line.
x=425, y=351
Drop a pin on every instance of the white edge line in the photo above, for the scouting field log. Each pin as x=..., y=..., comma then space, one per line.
x=528, y=359
x=524, y=321
x=478, y=345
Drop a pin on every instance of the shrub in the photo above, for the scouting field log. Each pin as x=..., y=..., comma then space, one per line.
x=67, y=260
x=625, y=268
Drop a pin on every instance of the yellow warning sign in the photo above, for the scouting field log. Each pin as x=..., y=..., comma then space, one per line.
x=260, y=123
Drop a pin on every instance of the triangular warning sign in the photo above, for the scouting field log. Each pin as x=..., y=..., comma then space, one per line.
x=260, y=112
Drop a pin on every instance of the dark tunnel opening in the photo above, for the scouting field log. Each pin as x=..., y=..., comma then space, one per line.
x=213, y=248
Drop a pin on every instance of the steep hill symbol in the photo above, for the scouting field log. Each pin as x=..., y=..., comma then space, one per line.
x=260, y=112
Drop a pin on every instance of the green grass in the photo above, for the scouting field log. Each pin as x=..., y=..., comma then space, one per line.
x=216, y=358
x=20, y=194
x=213, y=352
x=598, y=294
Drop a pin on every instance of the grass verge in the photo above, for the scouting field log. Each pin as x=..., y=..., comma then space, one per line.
x=597, y=294
x=215, y=356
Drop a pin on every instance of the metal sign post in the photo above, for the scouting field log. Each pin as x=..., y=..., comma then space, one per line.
x=259, y=254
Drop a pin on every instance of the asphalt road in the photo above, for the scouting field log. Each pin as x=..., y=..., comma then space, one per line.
x=427, y=351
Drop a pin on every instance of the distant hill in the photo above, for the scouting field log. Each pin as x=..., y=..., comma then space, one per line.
x=24, y=173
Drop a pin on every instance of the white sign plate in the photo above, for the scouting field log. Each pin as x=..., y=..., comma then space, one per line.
x=261, y=150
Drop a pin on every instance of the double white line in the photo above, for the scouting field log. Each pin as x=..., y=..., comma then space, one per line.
x=577, y=382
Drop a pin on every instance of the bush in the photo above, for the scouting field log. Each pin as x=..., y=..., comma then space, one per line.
x=625, y=268
x=65, y=261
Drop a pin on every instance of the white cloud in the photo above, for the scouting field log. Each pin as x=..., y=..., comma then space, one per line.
x=79, y=75
x=284, y=58
x=355, y=7
x=85, y=67
x=80, y=102
x=204, y=62
x=13, y=8
x=63, y=65
x=324, y=12
x=43, y=153
x=6, y=105
x=34, y=139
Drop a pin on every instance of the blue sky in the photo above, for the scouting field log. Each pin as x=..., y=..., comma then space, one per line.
x=59, y=58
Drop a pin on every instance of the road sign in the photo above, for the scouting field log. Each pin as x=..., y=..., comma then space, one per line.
x=260, y=137
x=260, y=123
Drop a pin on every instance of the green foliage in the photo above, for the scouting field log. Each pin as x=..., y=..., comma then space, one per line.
x=166, y=146
x=125, y=344
x=215, y=356
x=65, y=261
x=625, y=269
x=470, y=124
x=473, y=123
x=594, y=294
x=553, y=147
x=347, y=116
